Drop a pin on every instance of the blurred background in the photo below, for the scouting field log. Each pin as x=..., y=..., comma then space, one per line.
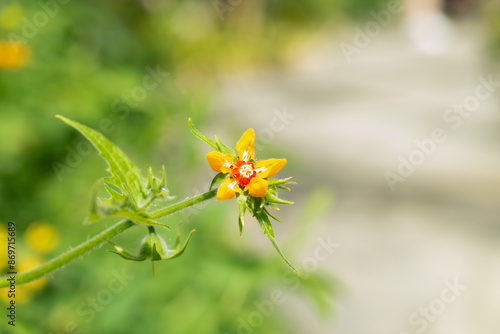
x=395, y=228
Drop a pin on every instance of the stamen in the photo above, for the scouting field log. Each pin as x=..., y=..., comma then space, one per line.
x=261, y=169
x=245, y=156
x=232, y=185
x=246, y=170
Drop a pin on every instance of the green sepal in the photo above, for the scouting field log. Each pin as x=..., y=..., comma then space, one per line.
x=255, y=204
x=278, y=182
x=153, y=247
x=124, y=254
x=272, y=198
x=178, y=252
x=218, y=179
x=266, y=226
x=215, y=144
x=270, y=215
x=272, y=205
x=242, y=207
x=157, y=187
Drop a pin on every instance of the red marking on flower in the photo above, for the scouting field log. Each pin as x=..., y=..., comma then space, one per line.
x=243, y=172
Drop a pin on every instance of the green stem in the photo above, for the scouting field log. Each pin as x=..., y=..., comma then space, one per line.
x=183, y=205
x=96, y=241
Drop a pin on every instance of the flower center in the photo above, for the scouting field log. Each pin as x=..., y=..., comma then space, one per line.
x=246, y=170
x=243, y=172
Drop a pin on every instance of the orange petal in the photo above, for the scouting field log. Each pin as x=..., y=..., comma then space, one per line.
x=267, y=168
x=244, y=146
x=257, y=187
x=220, y=162
x=227, y=190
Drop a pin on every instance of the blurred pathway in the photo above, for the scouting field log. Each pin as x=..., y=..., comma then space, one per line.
x=351, y=124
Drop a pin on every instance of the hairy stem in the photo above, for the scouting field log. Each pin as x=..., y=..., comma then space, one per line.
x=96, y=241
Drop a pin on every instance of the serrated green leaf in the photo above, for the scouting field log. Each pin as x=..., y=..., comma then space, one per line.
x=115, y=195
x=141, y=218
x=124, y=174
x=266, y=226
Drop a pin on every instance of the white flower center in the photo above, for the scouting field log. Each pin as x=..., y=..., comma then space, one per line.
x=246, y=170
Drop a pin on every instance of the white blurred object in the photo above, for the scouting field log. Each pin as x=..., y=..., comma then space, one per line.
x=430, y=31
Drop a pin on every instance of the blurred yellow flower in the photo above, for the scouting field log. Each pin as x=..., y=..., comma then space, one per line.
x=29, y=262
x=3, y=246
x=24, y=292
x=42, y=237
x=11, y=16
x=14, y=54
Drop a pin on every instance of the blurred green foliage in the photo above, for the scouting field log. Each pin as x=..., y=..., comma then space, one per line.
x=492, y=11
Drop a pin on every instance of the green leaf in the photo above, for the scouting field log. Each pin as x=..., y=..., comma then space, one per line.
x=202, y=137
x=124, y=174
x=272, y=198
x=215, y=144
x=266, y=226
x=242, y=206
x=223, y=148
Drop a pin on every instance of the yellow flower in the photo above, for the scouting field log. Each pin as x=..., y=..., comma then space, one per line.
x=42, y=237
x=24, y=292
x=14, y=54
x=3, y=246
x=245, y=173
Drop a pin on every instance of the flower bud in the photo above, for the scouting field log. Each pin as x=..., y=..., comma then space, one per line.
x=153, y=246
